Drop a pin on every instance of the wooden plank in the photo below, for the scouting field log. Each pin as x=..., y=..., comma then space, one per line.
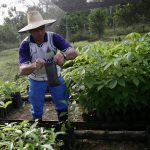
x=92, y=125
x=139, y=136
x=47, y=97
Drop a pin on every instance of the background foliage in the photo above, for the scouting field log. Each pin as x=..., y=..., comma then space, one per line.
x=95, y=22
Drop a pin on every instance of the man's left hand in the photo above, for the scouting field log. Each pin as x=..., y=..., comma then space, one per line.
x=59, y=59
x=71, y=54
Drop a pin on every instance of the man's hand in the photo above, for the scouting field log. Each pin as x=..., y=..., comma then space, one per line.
x=39, y=63
x=59, y=59
x=26, y=69
x=71, y=53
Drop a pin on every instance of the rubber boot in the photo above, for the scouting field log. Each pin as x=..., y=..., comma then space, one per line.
x=67, y=138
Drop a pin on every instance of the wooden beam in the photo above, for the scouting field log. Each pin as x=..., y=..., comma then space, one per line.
x=111, y=135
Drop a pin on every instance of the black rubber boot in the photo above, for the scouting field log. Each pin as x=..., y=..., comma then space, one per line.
x=62, y=118
x=67, y=138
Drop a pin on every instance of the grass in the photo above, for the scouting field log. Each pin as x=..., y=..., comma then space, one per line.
x=140, y=28
x=9, y=64
x=80, y=44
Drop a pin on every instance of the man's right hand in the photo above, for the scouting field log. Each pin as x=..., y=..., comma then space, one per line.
x=26, y=69
x=39, y=63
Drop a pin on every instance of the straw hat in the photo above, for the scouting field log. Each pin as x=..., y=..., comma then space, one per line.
x=35, y=20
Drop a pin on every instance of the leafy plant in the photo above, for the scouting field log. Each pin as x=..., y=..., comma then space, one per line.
x=5, y=104
x=7, y=91
x=115, y=76
x=24, y=136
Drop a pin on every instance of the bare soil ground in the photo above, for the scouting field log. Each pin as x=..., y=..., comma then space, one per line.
x=49, y=114
x=24, y=112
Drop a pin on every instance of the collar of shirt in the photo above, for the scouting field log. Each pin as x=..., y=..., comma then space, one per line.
x=45, y=38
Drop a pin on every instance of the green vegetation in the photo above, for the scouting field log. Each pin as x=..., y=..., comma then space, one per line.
x=112, y=77
x=9, y=64
x=107, y=22
x=24, y=135
x=101, y=23
x=108, y=78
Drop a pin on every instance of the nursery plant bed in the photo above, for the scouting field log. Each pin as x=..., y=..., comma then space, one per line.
x=89, y=135
x=50, y=116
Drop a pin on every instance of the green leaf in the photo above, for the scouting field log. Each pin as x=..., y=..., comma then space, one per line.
x=82, y=71
x=20, y=143
x=132, y=36
x=125, y=93
x=100, y=87
x=136, y=81
x=2, y=103
x=48, y=146
x=7, y=103
x=112, y=84
x=89, y=84
x=29, y=132
x=138, y=47
x=129, y=56
x=4, y=144
x=2, y=136
x=117, y=63
x=11, y=145
x=119, y=74
x=108, y=65
x=35, y=137
x=18, y=131
x=121, y=82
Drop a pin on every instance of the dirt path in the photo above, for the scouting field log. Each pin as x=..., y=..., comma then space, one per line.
x=49, y=112
x=24, y=112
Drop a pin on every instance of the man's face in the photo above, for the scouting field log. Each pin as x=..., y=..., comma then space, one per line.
x=38, y=34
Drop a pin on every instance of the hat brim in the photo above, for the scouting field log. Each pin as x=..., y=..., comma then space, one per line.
x=36, y=25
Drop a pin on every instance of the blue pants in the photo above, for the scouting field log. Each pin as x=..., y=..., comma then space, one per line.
x=37, y=90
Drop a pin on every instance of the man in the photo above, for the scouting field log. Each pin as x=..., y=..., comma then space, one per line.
x=34, y=51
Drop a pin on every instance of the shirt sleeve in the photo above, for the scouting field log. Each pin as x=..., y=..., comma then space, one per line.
x=60, y=43
x=24, y=53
